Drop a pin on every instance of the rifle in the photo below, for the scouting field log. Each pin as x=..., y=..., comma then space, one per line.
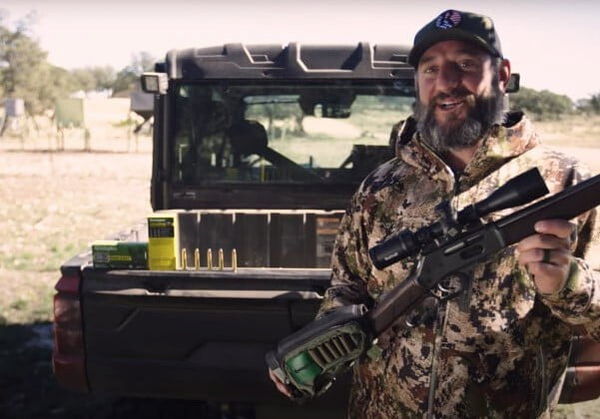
x=309, y=360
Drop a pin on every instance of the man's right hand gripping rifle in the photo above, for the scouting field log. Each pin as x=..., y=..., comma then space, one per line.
x=306, y=363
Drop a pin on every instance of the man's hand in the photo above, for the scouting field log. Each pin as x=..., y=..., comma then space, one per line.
x=280, y=386
x=547, y=254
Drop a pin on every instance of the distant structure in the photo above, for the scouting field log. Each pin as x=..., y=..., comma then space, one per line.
x=142, y=103
x=95, y=117
x=14, y=115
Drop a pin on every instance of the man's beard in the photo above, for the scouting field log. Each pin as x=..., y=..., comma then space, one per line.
x=484, y=112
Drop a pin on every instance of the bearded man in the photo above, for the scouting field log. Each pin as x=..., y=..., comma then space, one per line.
x=501, y=348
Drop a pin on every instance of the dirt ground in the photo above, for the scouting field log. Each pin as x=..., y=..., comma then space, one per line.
x=53, y=204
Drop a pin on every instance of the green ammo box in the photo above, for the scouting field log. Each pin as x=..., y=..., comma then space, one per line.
x=114, y=254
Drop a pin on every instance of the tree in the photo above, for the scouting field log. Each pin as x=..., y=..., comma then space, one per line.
x=24, y=62
x=104, y=76
x=93, y=78
x=54, y=83
x=83, y=79
x=25, y=73
x=542, y=104
x=128, y=77
x=589, y=105
x=595, y=103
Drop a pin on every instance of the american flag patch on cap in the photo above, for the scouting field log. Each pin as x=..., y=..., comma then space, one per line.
x=448, y=19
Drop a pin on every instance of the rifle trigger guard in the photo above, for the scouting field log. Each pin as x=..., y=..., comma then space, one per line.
x=426, y=311
x=451, y=286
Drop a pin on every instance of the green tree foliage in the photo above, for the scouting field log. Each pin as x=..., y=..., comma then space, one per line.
x=83, y=79
x=128, y=77
x=24, y=70
x=104, y=76
x=26, y=74
x=93, y=78
x=595, y=103
x=541, y=104
x=589, y=105
x=55, y=83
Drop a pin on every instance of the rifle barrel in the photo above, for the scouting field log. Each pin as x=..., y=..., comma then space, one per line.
x=565, y=205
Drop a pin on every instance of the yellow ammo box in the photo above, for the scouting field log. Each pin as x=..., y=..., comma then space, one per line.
x=168, y=233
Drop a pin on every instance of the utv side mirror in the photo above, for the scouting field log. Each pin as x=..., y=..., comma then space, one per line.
x=513, y=84
x=156, y=83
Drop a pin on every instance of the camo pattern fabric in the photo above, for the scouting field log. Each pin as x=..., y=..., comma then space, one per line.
x=498, y=350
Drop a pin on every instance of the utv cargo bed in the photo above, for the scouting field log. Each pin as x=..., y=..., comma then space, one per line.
x=230, y=323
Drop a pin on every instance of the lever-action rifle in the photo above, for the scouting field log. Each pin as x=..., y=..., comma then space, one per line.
x=309, y=360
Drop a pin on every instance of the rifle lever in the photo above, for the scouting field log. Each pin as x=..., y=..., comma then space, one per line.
x=451, y=286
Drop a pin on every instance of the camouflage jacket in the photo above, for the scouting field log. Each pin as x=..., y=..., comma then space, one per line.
x=501, y=349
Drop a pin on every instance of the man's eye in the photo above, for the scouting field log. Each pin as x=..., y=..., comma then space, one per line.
x=430, y=70
x=467, y=65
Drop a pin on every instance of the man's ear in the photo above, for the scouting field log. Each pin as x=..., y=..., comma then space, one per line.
x=504, y=74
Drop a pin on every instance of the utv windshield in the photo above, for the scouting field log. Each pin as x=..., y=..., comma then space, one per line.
x=284, y=133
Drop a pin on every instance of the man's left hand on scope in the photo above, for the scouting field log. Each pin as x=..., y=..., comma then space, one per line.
x=547, y=254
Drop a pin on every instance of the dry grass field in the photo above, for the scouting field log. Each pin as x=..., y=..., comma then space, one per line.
x=573, y=131
x=54, y=203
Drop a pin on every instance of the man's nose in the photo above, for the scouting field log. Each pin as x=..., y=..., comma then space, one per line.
x=449, y=77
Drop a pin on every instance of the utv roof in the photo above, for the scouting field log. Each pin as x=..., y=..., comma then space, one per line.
x=292, y=61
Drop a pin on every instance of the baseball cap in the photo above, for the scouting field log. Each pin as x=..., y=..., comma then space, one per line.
x=456, y=25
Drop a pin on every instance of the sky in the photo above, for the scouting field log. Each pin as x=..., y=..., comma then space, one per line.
x=553, y=44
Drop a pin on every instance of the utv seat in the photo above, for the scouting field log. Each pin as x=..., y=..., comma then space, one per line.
x=250, y=137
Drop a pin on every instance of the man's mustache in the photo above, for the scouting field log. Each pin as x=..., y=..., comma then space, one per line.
x=457, y=94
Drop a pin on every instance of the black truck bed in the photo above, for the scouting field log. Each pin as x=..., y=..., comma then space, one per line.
x=195, y=334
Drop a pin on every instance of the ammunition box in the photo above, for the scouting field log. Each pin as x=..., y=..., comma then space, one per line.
x=113, y=254
x=168, y=233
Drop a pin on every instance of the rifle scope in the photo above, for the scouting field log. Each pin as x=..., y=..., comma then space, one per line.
x=518, y=191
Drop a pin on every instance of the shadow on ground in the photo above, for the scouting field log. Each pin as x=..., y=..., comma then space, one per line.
x=27, y=386
x=28, y=389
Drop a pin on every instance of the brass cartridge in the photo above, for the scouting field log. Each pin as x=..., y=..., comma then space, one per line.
x=197, y=259
x=234, y=260
x=209, y=264
x=221, y=260
x=184, y=259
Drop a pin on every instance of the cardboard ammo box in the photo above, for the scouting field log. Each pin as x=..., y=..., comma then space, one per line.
x=114, y=254
x=169, y=232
